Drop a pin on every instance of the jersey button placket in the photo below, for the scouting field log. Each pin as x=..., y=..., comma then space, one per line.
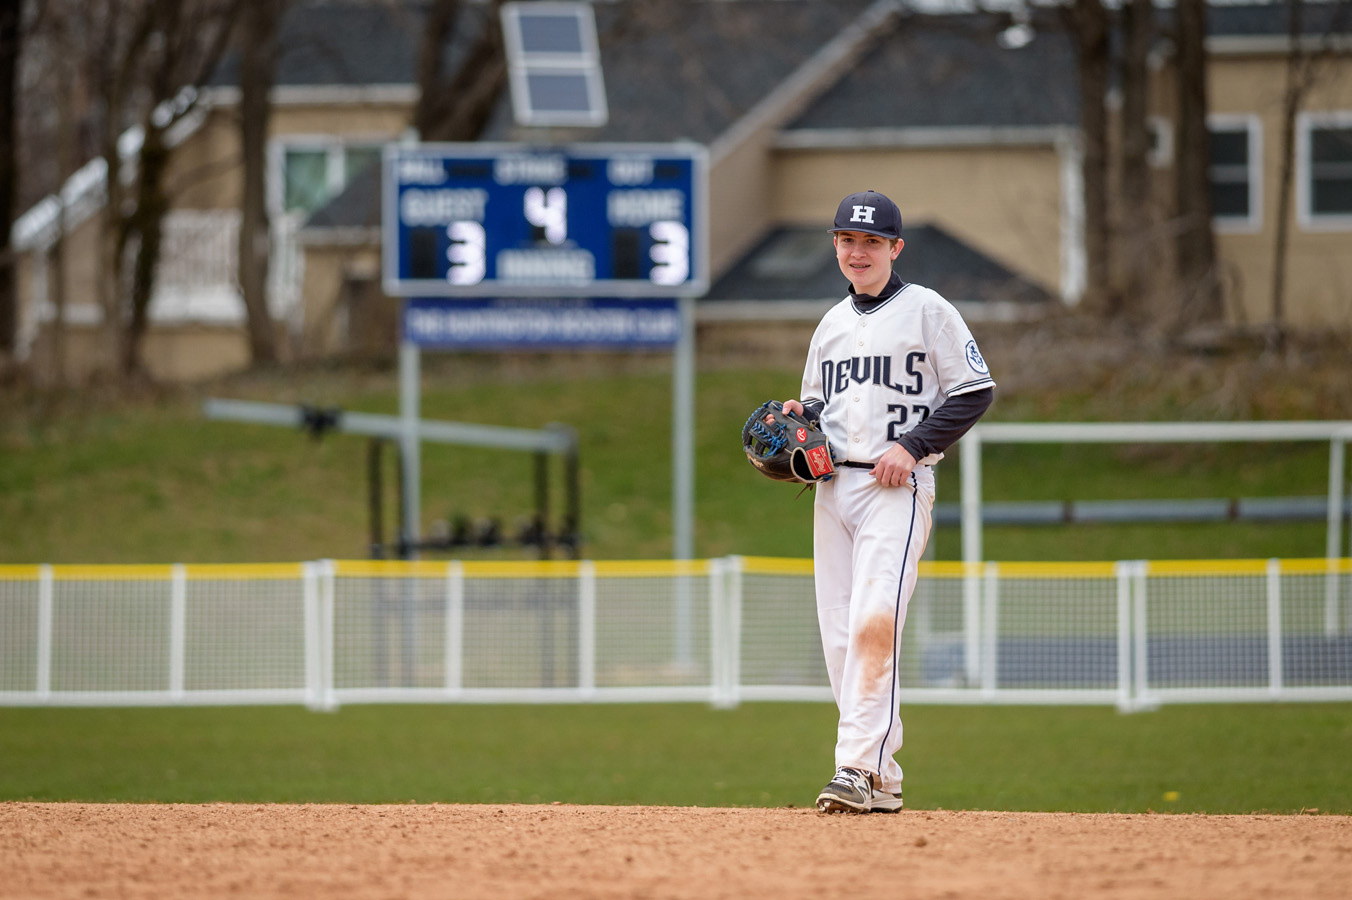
x=857, y=416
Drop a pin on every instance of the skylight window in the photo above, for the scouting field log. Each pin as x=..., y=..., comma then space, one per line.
x=554, y=64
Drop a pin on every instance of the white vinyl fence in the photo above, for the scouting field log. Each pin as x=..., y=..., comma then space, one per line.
x=1130, y=634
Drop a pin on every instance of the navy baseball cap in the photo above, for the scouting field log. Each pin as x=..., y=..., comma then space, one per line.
x=869, y=212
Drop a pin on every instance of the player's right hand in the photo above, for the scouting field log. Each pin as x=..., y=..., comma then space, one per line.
x=793, y=407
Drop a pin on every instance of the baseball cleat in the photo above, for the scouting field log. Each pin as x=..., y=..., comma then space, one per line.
x=850, y=791
x=884, y=802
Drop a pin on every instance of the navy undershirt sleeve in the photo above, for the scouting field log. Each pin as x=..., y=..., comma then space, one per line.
x=951, y=421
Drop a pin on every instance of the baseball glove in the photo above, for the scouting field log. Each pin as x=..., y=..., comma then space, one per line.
x=785, y=447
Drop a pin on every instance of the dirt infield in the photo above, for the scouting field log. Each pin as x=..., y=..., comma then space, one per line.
x=510, y=852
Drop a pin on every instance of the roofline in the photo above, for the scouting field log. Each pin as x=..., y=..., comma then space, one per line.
x=815, y=74
x=84, y=192
x=957, y=136
x=1266, y=44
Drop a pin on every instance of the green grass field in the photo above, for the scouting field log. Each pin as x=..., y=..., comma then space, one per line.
x=86, y=478
x=1214, y=759
x=93, y=477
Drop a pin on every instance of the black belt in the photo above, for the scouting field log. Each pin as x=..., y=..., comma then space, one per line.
x=851, y=464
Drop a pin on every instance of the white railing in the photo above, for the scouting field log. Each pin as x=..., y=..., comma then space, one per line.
x=1131, y=634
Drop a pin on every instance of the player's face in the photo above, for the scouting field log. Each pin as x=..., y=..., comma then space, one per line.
x=866, y=259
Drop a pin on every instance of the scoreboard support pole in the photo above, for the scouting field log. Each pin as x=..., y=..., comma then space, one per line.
x=683, y=476
x=410, y=441
x=682, y=442
x=683, y=435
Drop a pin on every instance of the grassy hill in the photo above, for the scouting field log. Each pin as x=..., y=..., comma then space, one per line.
x=100, y=475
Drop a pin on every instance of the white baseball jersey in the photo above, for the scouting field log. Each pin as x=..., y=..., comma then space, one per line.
x=882, y=372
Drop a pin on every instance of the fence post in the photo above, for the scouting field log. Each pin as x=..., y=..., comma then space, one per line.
x=1141, y=637
x=328, y=641
x=45, y=618
x=1333, y=541
x=586, y=628
x=454, y=638
x=313, y=639
x=1123, y=572
x=178, y=618
x=725, y=592
x=969, y=449
x=990, y=630
x=1274, y=626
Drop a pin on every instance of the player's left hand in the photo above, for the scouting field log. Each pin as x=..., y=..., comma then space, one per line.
x=894, y=467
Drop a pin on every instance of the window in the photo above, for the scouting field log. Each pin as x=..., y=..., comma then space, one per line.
x=1324, y=170
x=305, y=180
x=1236, y=165
x=554, y=64
x=312, y=171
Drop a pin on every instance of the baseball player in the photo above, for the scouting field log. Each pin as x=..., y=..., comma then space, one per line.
x=893, y=377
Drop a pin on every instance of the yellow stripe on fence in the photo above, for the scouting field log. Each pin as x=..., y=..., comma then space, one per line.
x=389, y=568
x=521, y=568
x=163, y=572
x=1057, y=569
x=654, y=568
x=651, y=568
x=112, y=573
x=244, y=571
x=1194, y=568
x=775, y=565
x=1316, y=566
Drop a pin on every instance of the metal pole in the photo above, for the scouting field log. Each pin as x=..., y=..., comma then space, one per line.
x=969, y=449
x=683, y=435
x=1334, y=539
x=683, y=476
x=410, y=400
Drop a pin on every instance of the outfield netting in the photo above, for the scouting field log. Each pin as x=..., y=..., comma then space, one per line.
x=1131, y=634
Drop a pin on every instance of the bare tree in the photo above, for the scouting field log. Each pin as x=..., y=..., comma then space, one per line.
x=1304, y=68
x=1088, y=24
x=258, y=41
x=454, y=104
x=1199, y=283
x=156, y=54
x=11, y=42
x=1135, y=252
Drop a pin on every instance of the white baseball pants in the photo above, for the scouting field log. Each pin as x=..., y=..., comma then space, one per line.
x=867, y=543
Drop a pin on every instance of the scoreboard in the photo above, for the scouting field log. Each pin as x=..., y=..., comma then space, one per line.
x=511, y=220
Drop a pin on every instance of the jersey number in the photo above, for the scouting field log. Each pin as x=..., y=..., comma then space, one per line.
x=897, y=427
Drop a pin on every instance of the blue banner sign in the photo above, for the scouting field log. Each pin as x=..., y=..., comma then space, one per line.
x=439, y=323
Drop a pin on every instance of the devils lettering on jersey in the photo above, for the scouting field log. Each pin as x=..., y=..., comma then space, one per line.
x=877, y=370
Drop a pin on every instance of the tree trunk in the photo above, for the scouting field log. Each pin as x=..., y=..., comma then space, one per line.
x=456, y=107
x=1199, y=284
x=1088, y=20
x=259, y=25
x=437, y=27
x=147, y=223
x=11, y=39
x=1135, y=251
